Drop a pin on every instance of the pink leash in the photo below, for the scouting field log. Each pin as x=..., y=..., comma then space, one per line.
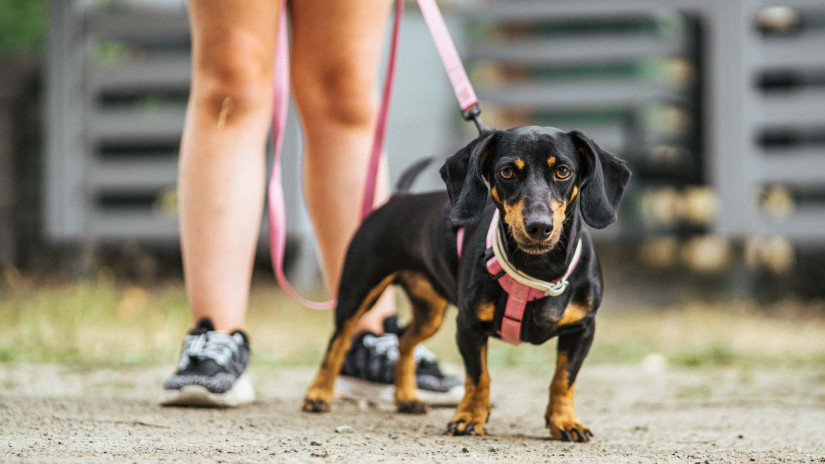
x=461, y=86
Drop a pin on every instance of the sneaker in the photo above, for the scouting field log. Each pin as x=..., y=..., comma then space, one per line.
x=211, y=371
x=368, y=373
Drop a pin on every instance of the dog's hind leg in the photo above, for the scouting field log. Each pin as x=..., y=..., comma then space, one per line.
x=472, y=413
x=353, y=302
x=428, y=309
x=561, y=416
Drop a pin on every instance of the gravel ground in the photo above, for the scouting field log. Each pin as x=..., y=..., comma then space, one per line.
x=647, y=413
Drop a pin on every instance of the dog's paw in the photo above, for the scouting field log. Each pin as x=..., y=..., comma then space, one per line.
x=568, y=430
x=462, y=427
x=411, y=407
x=467, y=423
x=315, y=405
x=316, y=402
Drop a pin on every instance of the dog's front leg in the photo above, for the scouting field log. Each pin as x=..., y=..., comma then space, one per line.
x=473, y=411
x=561, y=416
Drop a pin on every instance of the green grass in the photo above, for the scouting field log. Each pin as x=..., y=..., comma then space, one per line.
x=102, y=321
x=23, y=25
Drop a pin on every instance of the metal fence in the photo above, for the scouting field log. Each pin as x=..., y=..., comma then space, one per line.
x=718, y=105
x=118, y=84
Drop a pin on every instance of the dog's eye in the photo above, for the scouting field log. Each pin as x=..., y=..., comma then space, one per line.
x=507, y=173
x=563, y=172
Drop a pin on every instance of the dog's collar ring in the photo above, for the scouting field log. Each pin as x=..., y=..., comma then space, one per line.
x=558, y=288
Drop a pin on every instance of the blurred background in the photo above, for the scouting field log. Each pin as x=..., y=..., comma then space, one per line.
x=717, y=106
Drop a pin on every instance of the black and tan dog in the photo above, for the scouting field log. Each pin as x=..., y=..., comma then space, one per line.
x=540, y=179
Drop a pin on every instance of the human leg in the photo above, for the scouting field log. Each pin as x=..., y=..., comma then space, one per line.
x=221, y=191
x=222, y=163
x=336, y=53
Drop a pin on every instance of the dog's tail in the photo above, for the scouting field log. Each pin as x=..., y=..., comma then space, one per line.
x=409, y=175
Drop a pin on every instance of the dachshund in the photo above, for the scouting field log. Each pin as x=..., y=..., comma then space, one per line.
x=515, y=198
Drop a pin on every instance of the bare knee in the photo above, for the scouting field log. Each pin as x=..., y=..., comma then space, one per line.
x=336, y=93
x=232, y=77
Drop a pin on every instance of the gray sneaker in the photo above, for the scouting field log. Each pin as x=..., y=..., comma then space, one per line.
x=368, y=372
x=211, y=371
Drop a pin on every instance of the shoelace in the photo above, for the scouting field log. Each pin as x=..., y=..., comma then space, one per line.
x=217, y=346
x=387, y=345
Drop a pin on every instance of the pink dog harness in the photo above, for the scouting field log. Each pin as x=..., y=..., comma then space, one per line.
x=520, y=287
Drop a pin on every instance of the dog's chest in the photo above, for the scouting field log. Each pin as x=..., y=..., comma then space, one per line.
x=543, y=318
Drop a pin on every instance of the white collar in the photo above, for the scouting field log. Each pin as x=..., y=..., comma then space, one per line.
x=554, y=288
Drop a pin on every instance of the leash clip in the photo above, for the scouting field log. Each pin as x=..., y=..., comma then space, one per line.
x=557, y=289
x=473, y=114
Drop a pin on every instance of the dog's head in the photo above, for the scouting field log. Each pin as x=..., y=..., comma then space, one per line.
x=535, y=175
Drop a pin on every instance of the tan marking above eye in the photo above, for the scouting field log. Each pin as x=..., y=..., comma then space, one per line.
x=563, y=172
x=551, y=161
x=519, y=163
x=507, y=173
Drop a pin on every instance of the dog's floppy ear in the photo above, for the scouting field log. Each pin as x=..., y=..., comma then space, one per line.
x=603, y=183
x=462, y=173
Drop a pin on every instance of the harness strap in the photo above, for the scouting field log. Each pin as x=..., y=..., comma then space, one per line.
x=461, y=86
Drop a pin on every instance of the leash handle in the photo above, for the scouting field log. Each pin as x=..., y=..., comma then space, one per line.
x=463, y=89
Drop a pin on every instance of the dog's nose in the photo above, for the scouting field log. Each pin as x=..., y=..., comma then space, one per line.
x=539, y=228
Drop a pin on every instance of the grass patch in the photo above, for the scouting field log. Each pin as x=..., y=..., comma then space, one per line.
x=104, y=322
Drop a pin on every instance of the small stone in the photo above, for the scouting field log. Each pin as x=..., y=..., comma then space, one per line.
x=465, y=450
x=343, y=429
x=740, y=436
x=315, y=443
x=493, y=449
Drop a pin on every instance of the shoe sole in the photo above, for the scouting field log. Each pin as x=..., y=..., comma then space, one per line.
x=355, y=389
x=241, y=393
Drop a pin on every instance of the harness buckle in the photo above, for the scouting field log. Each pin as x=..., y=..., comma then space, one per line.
x=473, y=114
x=557, y=289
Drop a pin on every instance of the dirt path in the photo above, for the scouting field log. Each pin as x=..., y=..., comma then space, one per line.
x=63, y=414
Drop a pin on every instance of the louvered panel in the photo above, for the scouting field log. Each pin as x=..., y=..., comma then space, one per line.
x=134, y=225
x=803, y=225
x=575, y=95
x=137, y=174
x=796, y=108
x=161, y=72
x=802, y=52
x=801, y=166
x=580, y=50
x=138, y=24
x=136, y=124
